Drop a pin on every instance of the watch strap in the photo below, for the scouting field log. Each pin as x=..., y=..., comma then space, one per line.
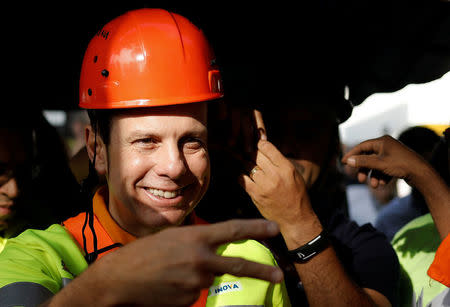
x=310, y=249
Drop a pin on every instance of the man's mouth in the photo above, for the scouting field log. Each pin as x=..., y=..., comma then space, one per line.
x=6, y=203
x=5, y=210
x=164, y=193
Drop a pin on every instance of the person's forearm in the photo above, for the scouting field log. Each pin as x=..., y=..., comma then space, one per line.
x=77, y=296
x=324, y=279
x=327, y=284
x=437, y=196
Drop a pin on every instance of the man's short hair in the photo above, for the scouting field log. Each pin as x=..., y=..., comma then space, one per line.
x=101, y=121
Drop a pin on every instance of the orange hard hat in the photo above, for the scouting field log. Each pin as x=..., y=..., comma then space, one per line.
x=145, y=58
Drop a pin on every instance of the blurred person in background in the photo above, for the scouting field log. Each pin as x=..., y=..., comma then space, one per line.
x=79, y=159
x=37, y=186
x=13, y=171
x=77, y=122
x=423, y=244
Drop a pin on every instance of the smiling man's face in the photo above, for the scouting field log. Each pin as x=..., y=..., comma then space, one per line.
x=157, y=166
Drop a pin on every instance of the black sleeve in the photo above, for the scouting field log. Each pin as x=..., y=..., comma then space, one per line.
x=367, y=256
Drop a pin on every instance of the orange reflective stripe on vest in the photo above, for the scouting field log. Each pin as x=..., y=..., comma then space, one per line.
x=75, y=227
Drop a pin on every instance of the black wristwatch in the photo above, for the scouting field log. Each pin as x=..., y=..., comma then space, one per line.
x=310, y=249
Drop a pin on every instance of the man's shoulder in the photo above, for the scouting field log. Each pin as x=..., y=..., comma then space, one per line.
x=38, y=263
x=36, y=236
x=53, y=240
x=423, y=221
x=420, y=234
x=232, y=290
x=249, y=250
x=415, y=245
x=35, y=253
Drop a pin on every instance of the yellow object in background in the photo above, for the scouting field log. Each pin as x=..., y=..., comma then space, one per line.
x=439, y=129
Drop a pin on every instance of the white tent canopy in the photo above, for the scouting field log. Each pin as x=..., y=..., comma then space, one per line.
x=391, y=113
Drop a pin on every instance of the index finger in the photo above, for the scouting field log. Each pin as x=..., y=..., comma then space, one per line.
x=259, y=122
x=364, y=147
x=235, y=230
x=272, y=153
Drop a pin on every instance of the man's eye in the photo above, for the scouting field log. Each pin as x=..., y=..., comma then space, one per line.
x=193, y=143
x=146, y=141
x=4, y=179
x=6, y=172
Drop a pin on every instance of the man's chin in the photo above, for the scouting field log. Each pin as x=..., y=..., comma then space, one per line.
x=6, y=213
x=5, y=218
x=3, y=224
x=170, y=219
x=160, y=221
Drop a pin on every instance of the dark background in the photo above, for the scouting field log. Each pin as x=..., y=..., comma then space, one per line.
x=274, y=50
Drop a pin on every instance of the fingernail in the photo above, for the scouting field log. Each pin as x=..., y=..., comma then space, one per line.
x=262, y=134
x=351, y=161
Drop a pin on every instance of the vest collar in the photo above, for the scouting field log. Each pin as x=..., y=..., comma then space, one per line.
x=117, y=233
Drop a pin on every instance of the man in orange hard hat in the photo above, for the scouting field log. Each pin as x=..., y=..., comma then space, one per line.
x=146, y=79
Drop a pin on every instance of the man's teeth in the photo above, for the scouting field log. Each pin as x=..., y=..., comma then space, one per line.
x=164, y=194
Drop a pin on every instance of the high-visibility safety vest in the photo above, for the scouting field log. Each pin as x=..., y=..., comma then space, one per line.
x=415, y=245
x=2, y=243
x=38, y=263
x=440, y=268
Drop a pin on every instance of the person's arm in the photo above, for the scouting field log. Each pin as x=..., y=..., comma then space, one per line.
x=279, y=193
x=167, y=269
x=392, y=158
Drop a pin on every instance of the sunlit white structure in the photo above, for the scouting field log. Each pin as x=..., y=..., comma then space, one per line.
x=391, y=113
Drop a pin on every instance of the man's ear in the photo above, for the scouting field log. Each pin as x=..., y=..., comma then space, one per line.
x=95, y=144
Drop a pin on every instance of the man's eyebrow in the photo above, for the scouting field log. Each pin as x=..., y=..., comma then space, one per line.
x=139, y=134
x=196, y=133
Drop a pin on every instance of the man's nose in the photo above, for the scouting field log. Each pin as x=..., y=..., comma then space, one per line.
x=171, y=162
x=10, y=188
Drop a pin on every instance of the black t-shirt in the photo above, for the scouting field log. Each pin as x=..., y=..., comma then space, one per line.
x=364, y=252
